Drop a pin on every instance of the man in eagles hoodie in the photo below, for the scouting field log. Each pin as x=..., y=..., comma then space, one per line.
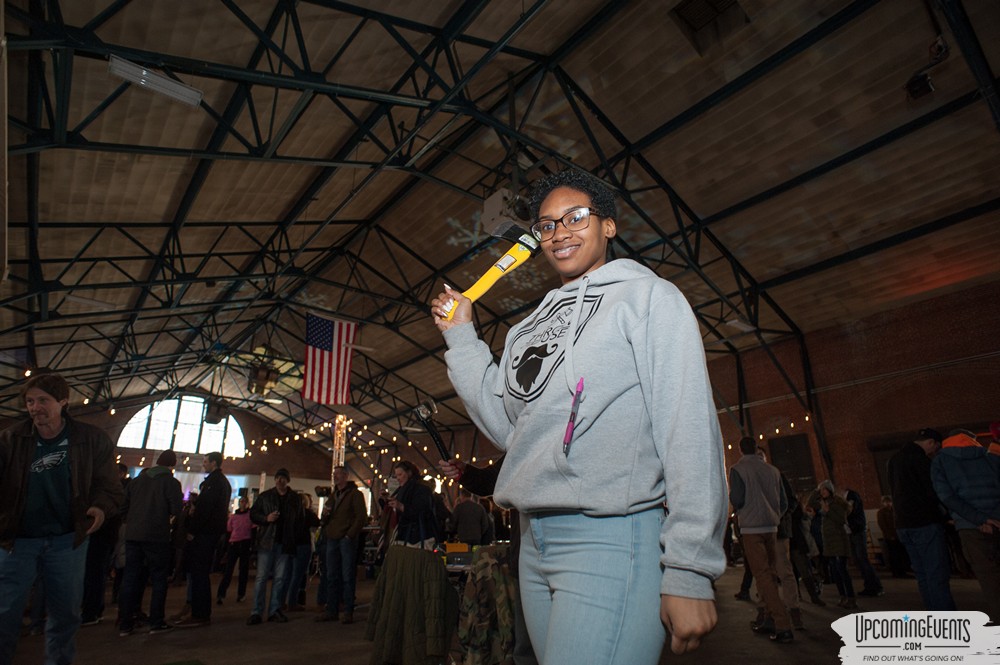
x=621, y=347
x=58, y=483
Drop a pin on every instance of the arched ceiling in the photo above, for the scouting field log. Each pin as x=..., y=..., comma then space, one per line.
x=769, y=161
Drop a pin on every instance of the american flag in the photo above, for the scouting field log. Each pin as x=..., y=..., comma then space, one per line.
x=327, y=376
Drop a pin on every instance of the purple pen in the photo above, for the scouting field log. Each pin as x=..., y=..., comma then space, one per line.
x=568, y=438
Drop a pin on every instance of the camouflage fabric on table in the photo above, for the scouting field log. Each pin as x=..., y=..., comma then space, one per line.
x=486, y=610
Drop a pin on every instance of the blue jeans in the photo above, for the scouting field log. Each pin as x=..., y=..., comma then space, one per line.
x=269, y=561
x=341, y=573
x=61, y=569
x=859, y=552
x=928, y=550
x=296, y=574
x=590, y=587
x=139, y=558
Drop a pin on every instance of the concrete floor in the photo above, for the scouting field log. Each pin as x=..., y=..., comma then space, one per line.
x=228, y=641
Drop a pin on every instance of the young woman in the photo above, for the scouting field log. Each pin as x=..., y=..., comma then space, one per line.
x=601, y=562
x=240, y=541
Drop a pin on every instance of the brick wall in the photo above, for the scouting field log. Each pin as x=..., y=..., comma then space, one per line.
x=931, y=364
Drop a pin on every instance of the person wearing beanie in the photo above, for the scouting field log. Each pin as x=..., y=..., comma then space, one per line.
x=58, y=484
x=278, y=513
x=967, y=480
x=151, y=500
x=994, y=447
x=920, y=519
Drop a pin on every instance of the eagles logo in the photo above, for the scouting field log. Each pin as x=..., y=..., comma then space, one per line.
x=538, y=350
x=48, y=461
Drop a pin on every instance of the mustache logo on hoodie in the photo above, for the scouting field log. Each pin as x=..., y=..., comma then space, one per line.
x=539, y=348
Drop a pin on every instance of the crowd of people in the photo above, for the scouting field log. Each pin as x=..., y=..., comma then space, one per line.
x=939, y=486
x=613, y=473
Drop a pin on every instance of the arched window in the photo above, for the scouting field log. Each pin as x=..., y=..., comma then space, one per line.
x=180, y=424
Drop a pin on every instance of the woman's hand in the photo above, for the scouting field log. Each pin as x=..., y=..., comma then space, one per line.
x=687, y=620
x=452, y=469
x=396, y=505
x=450, y=297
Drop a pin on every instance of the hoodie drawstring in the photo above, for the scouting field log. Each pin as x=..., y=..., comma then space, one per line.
x=574, y=323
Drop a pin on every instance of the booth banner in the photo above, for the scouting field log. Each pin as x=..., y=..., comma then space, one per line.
x=918, y=637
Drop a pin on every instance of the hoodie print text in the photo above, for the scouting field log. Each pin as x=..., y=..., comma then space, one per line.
x=539, y=349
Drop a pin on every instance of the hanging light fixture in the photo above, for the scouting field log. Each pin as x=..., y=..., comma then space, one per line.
x=151, y=80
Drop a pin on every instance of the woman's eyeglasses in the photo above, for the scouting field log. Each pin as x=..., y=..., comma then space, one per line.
x=575, y=220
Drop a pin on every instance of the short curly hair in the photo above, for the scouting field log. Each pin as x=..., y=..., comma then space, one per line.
x=602, y=199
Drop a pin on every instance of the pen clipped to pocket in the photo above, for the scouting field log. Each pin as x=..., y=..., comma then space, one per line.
x=574, y=409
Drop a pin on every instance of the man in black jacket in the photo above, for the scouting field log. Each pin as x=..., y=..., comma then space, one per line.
x=920, y=519
x=151, y=500
x=278, y=513
x=205, y=525
x=58, y=483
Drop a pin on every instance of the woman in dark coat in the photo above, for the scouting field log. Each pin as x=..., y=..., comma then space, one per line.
x=414, y=507
x=836, y=542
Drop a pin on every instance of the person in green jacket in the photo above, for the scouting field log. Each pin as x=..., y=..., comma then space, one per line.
x=836, y=542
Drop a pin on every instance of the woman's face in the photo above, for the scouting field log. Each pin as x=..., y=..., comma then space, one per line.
x=401, y=475
x=824, y=492
x=574, y=253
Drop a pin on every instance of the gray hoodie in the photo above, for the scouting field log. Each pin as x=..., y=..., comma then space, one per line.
x=646, y=432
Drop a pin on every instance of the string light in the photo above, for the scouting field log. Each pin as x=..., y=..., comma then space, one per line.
x=86, y=401
x=27, y=373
